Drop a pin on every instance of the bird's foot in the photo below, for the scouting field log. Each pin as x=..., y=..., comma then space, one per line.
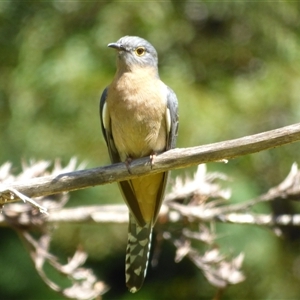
x=127, y=164
x=152, y=159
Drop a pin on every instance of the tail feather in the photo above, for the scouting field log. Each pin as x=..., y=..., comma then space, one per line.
x=137, y=254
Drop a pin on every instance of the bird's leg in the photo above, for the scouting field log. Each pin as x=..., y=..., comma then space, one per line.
x=128, y=161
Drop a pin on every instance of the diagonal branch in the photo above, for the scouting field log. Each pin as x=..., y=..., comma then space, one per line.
x=173, y=159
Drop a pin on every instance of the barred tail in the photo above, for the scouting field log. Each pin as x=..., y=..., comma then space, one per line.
x=137, y=254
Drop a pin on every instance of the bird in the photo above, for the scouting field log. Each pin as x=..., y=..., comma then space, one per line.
x=139, y=118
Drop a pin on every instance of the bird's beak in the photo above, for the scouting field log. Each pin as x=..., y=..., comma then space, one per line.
x=116, y=46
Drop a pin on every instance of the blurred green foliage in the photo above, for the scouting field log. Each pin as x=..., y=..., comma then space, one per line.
x=235, y=67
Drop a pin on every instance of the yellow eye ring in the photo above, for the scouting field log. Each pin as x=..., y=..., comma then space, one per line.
x=140, y=51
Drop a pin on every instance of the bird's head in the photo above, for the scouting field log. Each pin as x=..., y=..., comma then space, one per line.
x=134, y=51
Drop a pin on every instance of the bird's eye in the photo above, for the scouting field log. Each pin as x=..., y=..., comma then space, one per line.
x=140, y=51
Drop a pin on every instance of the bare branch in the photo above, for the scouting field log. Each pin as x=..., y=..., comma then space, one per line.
x=119, y=214
x=200, y=189
x=173, y=159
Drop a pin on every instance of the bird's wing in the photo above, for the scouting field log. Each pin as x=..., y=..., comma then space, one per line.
x=172, y=114
x=125, y=186
x=106, y=129
x=172, y=121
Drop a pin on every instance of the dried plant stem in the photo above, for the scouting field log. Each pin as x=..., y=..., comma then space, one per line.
x=118, y=213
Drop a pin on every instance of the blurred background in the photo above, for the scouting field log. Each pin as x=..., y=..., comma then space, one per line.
x=235, y=67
